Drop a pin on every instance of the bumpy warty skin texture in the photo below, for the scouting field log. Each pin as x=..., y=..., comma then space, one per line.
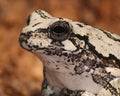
x=79, y=60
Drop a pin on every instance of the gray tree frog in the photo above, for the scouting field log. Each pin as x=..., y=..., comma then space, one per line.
x=79, y=60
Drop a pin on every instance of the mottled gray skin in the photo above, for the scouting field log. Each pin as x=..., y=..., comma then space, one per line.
x=79, y=60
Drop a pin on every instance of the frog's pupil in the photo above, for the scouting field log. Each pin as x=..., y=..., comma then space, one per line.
x=59, y=29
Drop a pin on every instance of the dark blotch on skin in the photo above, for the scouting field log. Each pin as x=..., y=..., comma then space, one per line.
x=28, y=20
x=80, y=25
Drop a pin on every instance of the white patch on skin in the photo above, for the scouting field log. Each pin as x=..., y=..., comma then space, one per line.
x=49, y=59
x=78, y=82
x=68, y=45
x=27, y=29
x=113, y=71
x=87, y=94
x=40, y=25
x=35, y=15
x=36, y=41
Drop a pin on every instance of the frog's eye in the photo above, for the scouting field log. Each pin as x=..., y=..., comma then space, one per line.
x=59, y=30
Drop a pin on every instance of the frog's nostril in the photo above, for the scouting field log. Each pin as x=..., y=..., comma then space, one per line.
x=22, y=39
x=59, y=30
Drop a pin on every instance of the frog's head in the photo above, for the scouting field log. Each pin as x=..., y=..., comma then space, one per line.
x=45, y=34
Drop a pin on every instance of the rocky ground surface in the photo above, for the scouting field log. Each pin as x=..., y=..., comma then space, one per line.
x=21, y=71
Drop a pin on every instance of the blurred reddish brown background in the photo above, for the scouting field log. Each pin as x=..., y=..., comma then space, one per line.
x=21, y=71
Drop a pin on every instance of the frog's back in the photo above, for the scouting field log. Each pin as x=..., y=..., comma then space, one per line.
x=101, y=41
